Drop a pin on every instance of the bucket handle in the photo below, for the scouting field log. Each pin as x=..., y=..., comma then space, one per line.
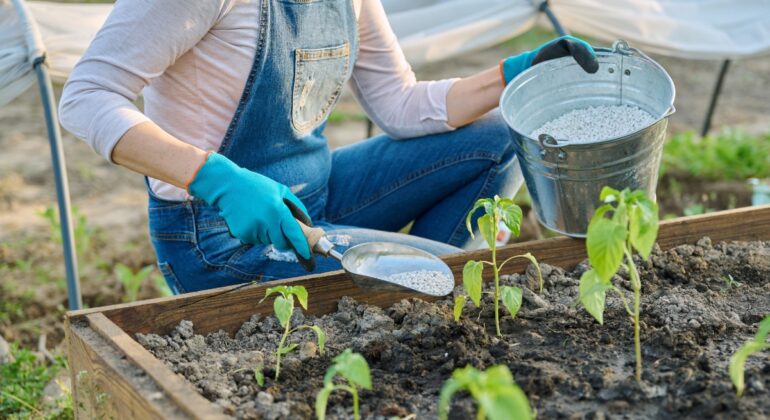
x=547, y=141
x=621, y=47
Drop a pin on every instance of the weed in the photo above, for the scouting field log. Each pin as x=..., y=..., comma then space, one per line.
x=496, y=394
x=352, y=367
x=728, y=155
x=162, y=285
x=339, y=117
x=730, y=282
x=697, y=209
x=738, y=359
x=496, y=210
x=284, y=309
x=632, y=226
x=22, y=381
x=82, y=231
x=132, y=281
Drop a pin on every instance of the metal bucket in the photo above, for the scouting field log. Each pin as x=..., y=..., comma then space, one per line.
x=564, y=180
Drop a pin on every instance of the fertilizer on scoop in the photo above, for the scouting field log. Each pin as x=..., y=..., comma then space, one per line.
x=595, y=124
x=424, y=281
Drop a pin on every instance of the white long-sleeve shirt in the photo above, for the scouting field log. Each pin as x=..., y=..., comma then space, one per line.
x=192, y=58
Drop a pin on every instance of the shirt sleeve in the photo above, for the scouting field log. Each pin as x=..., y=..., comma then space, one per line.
x=385, y=85
x=138, y=42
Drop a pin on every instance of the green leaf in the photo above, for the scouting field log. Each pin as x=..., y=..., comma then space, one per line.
x=643, y=227
x=450, y=387
x=321, y=336
x=484, y=202
x=288, y=349
x=511, y=297
x=763, y=331
x=609, y=195
x=488, y=229
x=506, y=403
x=301, y=293
x=620, y=214
x=275, y=289
x=472, y=280
x=511, y=215
x=502, y=399
x=321, y=399
x=593, y=292
x=459, y=305
x=259, y=376
x=283, y=308
x=605, y=243
x=353, y=367
x=738, y=361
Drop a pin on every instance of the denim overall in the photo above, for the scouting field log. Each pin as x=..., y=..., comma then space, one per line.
x=304, y=55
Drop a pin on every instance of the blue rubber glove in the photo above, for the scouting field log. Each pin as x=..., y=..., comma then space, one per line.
x=256, y=208
x=560, y=47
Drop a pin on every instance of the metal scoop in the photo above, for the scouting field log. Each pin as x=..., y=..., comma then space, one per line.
x=386, y=265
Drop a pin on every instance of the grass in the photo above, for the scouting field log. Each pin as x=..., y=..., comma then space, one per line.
x=22, y=382
x=729, y=155
x=339, y=117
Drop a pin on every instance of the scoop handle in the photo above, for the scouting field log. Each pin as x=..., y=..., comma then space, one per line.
x=313, y=235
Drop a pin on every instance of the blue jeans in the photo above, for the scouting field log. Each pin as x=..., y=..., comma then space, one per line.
x=376, y=188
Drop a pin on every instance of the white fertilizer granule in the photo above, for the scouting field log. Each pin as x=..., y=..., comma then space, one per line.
x=595, y=123
x=430, y=282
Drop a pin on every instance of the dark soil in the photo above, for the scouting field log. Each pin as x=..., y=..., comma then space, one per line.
x=568, y=365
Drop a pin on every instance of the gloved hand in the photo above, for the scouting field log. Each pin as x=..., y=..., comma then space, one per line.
x=257, y=209
x=560, y=47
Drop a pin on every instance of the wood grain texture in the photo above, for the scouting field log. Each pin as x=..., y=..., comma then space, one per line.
x=104, y=385
x=227, y=309
x=178, y=389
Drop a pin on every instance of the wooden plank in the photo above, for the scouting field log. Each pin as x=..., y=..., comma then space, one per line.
x=105, y=385
x=226, y=309
x=177, y=388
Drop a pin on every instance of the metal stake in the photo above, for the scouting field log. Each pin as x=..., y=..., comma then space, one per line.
x=62, y=187
x=714, y=97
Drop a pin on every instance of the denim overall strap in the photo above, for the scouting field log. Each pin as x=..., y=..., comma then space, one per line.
x=304, y=55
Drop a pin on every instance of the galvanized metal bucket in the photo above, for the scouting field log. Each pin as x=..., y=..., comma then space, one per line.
x=564, y=180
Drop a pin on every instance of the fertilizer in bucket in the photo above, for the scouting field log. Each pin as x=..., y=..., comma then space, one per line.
x=577, y=132
x=596, y=123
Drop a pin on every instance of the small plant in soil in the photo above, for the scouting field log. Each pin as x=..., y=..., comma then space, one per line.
x=632, y=225
x=284, y=309
x=496, y=394
x=738, y=360
x=132, y=281
x=496, y=210
x=352, y=367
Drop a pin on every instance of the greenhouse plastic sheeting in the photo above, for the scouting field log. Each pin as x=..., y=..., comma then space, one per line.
x=19, y=47
x=431, y=30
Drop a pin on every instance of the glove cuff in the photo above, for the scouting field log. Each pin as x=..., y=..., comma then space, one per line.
x=209, y=178
x=195, y=173
x=512, y=66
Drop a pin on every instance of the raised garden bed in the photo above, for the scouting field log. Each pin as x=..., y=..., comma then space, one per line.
x=568, y=365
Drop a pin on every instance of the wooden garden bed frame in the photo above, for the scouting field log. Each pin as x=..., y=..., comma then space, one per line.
x=113, y=376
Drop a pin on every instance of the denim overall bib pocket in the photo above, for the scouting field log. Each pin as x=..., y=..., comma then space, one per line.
x=304, y=55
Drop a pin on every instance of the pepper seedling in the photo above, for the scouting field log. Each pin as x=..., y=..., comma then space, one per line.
x=632, y=225
x=353, y=368
x=496, y=210
x=738, y=359
x=496, y=394
x=284, y=309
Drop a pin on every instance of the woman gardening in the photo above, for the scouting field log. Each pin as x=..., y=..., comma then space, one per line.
x=236, y=94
